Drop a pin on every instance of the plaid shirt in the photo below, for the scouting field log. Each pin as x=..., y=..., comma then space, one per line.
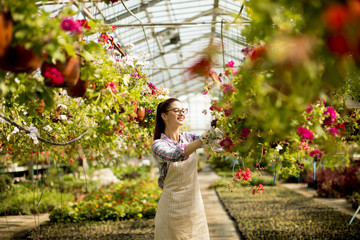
x=166, y=151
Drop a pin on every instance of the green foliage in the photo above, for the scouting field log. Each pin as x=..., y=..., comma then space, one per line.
x=129, y=199
x=24, y=199
x=6, y=183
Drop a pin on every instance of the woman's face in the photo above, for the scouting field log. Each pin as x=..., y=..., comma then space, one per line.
x=175, y=114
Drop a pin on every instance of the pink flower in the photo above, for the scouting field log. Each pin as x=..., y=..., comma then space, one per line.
x=205, y=92
x=245, y=132
x=215, y=107
x=148, y=110
x=330, y=116
x=305, y=133
x=227, y=88
x=214, y=76
x=71, y=160
x=304, y=146
x=56, y=77
x=228, y=111
x=230, y=64
x=316, y=153
x=309, y=108
x=334, y=131
x=68, y=24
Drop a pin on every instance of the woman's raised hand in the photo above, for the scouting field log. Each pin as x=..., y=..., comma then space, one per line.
x=211, y=135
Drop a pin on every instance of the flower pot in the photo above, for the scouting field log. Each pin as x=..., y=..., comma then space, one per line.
x=79, y=89
x=6, y=29
x=18, y=60
x=141, y=114
x=70, y=70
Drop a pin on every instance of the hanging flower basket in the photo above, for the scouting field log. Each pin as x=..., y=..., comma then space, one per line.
x=6, y=29
x=18, y=59
x=61, y=74
x=79, y=89
x=141, y=114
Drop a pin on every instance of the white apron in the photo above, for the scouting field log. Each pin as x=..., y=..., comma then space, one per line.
x=180, y=212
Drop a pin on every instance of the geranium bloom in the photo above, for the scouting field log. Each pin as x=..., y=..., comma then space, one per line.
x=227, y=111
x=334, y=131
x=68, y=24
x=201, y=68
x=316, y=153
x=83, y=23
x=215, y=107
x=112, y=86
x=245, y=132
x=304, y=146
x=148, y=110
x=230, y=64
x=245, y=175
x=103, y=38
x=226, y=142
x=330, y=116
x=205, y=92
x=305, y=133
x=309, y=108
x=56, y=77
x=227, y=88
x=258, y=189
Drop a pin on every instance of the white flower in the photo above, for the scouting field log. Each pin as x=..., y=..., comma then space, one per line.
x=17, y=80
x=279, y=147
x=145, y=162
x=107, y=118
x=48, y=128
x=63, y=117
x=16, y=130
x=33, y=134
x=62, y=106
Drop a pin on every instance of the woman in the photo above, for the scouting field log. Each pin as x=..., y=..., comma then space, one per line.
x=180, y=211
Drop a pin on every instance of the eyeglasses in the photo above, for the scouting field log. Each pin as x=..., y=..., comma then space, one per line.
x=177, y=111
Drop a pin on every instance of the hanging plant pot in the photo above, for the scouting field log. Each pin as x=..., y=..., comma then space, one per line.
x=19, y=60
x=79, y=89
x=61, y=74
x=6, y=30
x=141, y=114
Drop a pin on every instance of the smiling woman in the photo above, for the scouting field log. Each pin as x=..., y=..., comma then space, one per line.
x=180, y=211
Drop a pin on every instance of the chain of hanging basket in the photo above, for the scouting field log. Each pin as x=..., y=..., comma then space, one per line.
x=6, y=119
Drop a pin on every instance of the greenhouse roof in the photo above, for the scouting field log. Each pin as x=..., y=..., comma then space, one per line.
x=174, y=33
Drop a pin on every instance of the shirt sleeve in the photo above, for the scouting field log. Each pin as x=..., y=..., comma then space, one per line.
x=163, y=152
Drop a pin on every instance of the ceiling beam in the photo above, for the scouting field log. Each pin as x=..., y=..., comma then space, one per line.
x=216, y=6
x=135, y=10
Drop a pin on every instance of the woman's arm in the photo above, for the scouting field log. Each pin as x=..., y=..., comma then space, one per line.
x=163, y=152
x=193, y=146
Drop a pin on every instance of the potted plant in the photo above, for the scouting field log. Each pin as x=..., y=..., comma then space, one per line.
x=6, y=29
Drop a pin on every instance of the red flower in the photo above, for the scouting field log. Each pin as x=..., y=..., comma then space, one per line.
x=112, y=86
x=335, y=16
x=309, y=108
x=245, y=132
x=83, y=23
x=53, y=73
x=104, y=38
x=257, y=53
x=228, y=111
x=338, y=43
x=215, y=107
x=316, y=153
x=201, y=68
x=226, y=142
x=330, y=116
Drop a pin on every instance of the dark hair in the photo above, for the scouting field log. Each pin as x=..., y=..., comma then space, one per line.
x=160, y=124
